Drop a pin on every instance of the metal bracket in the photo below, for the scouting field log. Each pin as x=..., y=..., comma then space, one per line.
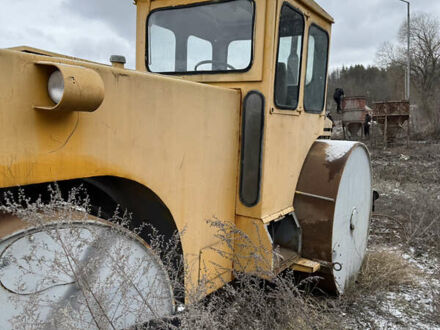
x=304, y=265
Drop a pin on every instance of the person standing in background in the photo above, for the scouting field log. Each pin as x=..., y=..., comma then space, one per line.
x=338, y=96
x=367, y=124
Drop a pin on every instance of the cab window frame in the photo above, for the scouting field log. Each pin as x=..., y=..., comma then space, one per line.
x=201, y=72
x=301, y=62
x=312, y=111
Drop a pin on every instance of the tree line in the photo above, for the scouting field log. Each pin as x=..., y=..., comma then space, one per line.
x=373, y=82
x=386, y=80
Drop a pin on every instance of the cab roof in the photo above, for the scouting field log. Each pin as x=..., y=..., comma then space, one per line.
x=317, y=9
x=311, y=4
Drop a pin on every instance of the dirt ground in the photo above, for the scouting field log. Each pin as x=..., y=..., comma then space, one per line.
x=400, y=285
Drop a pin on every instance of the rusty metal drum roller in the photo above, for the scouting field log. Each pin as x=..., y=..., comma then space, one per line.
x=333, y=204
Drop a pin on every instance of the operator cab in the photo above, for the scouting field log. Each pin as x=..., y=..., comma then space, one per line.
x=275, y=52
x=225, y=41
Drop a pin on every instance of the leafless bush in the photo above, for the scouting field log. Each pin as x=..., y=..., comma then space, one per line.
x=56, y=257
x=392, y=291
x=436, y=302
x=70, y=270
x=436, y=295
x=251, y=303
x=384, y=275
x=382, y=271
x=421, y=230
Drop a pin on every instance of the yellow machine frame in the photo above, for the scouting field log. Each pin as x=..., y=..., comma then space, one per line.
x=173, y=142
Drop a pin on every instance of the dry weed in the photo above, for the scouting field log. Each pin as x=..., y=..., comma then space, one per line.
x=436, y=306
x=384, y=274
x=250, y=303
x=246, y=303
x=383, y=271
x=109, y=283
x=436, y=300
x=409, y=183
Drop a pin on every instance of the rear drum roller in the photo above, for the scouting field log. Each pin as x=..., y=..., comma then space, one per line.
x=84, y=274
x=333, y=204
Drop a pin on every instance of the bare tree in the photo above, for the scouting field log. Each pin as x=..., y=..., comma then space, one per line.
x=425, y=51
x=425, y=63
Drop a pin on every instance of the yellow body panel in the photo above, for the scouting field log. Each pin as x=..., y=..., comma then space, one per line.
x=178, y=136
x=155, y=130
x=288, y=135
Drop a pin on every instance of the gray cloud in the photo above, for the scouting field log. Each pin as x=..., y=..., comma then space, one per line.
x=95, y=29
x=71, y=27
x=119, y=15
x=362, y=26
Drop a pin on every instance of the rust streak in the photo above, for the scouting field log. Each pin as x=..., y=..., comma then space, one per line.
x=68, y=137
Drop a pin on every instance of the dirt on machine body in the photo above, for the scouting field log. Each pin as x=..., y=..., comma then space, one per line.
x=217, y=121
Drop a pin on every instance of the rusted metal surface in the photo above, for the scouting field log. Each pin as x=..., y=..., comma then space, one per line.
x=391, y=118
x=354, y=110
x=315, y=205
x=391, y=108
x=316, y=214
x=354, y=103
x=10, y=224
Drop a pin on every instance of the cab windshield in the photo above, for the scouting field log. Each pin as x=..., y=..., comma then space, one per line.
x=205, y=38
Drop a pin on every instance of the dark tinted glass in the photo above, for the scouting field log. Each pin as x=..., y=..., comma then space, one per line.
x=316, y=76
x=251, y=153
x=288, y=68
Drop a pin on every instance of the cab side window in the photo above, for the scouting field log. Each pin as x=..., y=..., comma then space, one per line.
x=288, y=68
x=316, y=76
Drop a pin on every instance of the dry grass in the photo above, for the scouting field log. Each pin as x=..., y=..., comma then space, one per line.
x=436, y=300
x=246, y=303
x=416, y=164
x=252, y=303
x=391, y=292
x=409, y=183
x=409, y=221
x=436, y=308
x=249, y=303
x=383, y=271
x=367, y=301
x=281, y=305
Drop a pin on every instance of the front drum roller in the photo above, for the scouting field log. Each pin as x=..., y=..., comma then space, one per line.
x=81, y=272
x=333, y=204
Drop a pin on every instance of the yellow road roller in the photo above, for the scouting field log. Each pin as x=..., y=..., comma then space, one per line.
x=221, y=119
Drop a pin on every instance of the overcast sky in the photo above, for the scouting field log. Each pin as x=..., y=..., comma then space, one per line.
x=95, y=29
